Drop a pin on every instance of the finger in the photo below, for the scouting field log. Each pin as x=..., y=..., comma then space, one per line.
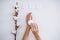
x=37, y=27
x=29, y=17
x=31, y=27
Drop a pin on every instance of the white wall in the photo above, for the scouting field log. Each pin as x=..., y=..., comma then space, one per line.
x=45, y=12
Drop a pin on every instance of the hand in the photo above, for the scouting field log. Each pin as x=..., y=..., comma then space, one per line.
x=34, y=27
x=28, y=17
x=26, y=34
x=35, y=30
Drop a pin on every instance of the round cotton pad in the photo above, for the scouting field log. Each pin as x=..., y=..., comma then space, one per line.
x=30, y=21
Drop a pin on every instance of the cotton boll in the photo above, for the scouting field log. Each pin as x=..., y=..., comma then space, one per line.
x=15, y=18
x=18, y=24
x=14, y=32
x=16, y=6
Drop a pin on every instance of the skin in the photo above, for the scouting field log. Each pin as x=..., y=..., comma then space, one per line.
x=33, y=27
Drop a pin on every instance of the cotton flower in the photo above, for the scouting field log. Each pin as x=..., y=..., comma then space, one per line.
x=14, y=32
x=18, y=24
x=15, y=18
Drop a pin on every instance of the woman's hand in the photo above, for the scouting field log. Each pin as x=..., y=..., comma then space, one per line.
x=26, y=34
x=35, y=31
x=33, y=27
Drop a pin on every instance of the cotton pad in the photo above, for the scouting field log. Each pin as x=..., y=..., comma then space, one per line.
x=30, y=21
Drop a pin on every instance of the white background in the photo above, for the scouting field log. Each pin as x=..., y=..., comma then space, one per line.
x=45, y=12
